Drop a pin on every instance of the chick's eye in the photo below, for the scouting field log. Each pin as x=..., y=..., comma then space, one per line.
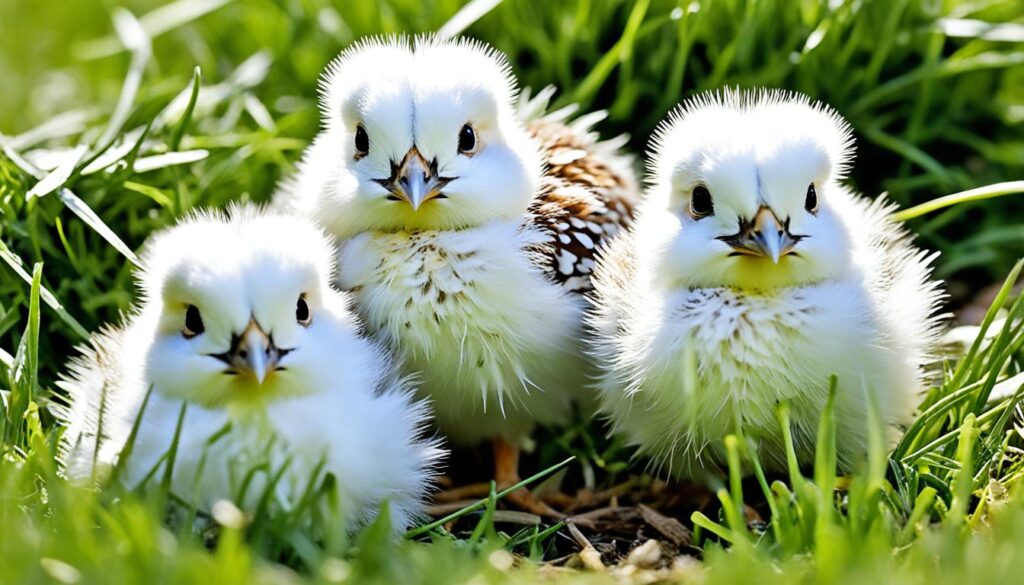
x=700, y=202
x=362, y=141
x=193, y=322
x=302, y=314
x=811, y=202
x=467, y=140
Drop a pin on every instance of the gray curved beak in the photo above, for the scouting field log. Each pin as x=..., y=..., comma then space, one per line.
x=765, y=237
x=415, y=181
x=256, y=353
x=252, y=354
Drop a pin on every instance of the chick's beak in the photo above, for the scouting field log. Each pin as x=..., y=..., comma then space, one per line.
x=253, y=353
x=765, y=236
x=415, y=181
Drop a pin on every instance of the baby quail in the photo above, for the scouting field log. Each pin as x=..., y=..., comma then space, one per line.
x=467, y=233
x=238, y=321
x=750, y=277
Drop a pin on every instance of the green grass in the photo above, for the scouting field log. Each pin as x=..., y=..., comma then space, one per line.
x=215, y=105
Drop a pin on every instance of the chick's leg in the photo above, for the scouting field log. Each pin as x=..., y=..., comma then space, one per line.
x=506, y=475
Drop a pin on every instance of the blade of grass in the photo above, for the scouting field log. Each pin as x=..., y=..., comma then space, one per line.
x=703, y=522
x=101, y=419
x=160, y=161
x=155, y=23
x=733, y=518
x=933, y=414
x=127, y=142
x=480, y=504
x=310, y=493
x=734, y=512
x=769, y=496
x=270, y=488
x=68, y=249
x=48, y=297
x=29, y=369
x=172, y=453
x=825, y=460
x=907, y=150
x=158, y=196
x=978, y=194
x=486, y=524
x=136, y=40
x=465, y=17
x=263, y=467
x=59, y=176
x=86, y=214
x=1005, y=345
x=186, y=117
x=26, y=366
x=948, y=68
x=949, y=437
x=72, y=202
x=129, y=445
x=792, y=463
x=538, y=540
x=968, y=360
x=922, y=505
x=963, y=483
x=59, y=126
x=586, y=89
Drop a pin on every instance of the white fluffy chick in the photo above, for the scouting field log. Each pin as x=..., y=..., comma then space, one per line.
x=238, y=320
x=467, y=233
x=750, y=277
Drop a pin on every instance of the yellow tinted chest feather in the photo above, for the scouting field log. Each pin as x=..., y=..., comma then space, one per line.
x=476, y=287
x=766, y=343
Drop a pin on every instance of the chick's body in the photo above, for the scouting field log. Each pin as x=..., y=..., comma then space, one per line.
x=240, y=325
x=492, y=338
x=702, y=330
x=468, y=226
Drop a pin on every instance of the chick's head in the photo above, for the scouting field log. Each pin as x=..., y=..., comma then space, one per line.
x=243, y=306
x=748, y=178
x=425, y=136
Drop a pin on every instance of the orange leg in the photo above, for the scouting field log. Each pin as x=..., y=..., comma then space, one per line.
x=455, y=494
x=506, y=475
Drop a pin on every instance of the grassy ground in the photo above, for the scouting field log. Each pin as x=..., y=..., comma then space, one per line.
x=938, y=104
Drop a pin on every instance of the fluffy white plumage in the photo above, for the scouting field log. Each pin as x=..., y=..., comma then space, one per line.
x=406, y=97
x=701, y=330
x=444, y=261
x=260, y=284
x=494, y=341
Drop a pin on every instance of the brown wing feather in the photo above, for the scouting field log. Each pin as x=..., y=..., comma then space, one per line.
x=587, y=196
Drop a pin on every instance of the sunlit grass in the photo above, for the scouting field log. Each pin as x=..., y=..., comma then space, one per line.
x=122, y=120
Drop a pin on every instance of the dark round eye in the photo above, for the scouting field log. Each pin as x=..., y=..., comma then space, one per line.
x=467, y=140
x=302, y=312
x=811, y=202
x=700, y=202
x=362, y=141
x=193, y=322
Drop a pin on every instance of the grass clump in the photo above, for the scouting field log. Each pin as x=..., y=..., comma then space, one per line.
x=203, y=102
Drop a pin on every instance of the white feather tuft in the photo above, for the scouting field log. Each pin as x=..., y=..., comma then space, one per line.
x=760, y=116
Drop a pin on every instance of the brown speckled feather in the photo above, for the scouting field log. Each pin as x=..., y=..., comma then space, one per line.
x=587, y=196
